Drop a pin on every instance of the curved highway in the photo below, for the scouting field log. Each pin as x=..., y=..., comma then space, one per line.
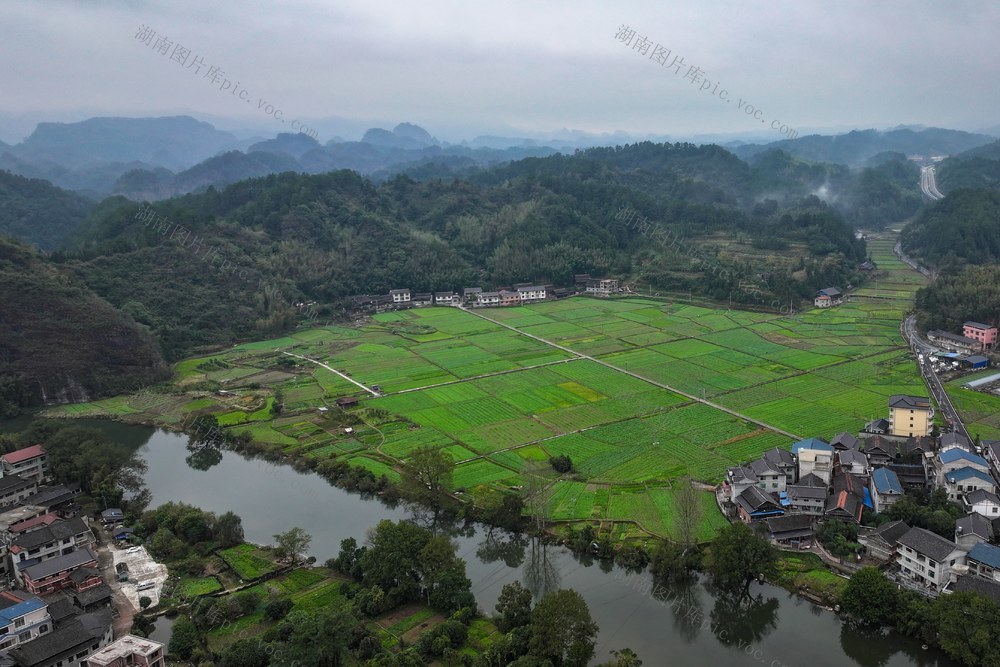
x=928, y=184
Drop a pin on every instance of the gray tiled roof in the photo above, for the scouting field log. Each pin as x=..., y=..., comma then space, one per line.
x=59, y=563
x=973, y=584
x=779, y=456
x=975, y=524
x=930, y=544
x=891, y=532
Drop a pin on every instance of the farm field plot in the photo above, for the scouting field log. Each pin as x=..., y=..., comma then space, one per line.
x=980, y=411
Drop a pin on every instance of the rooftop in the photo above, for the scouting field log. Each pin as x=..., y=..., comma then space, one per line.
x=23, y=454
x=987, y=554
x=886, y=481
x=891, y=532
x=975, y=524
x=981, y=495
x=978, y=325
x=957, y=454
x=811, y=443
x=972, y=584
x=962, y=474
x=909, y=402
x=125, y=647
x=47, y=568
x=927, y=543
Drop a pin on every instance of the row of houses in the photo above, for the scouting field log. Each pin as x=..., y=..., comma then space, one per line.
x=975, y=337
x=789, y=492
x=56, y=609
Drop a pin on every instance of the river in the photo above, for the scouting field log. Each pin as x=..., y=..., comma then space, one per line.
x=781, y=629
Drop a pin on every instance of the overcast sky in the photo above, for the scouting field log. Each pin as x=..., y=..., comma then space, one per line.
x=461, y=68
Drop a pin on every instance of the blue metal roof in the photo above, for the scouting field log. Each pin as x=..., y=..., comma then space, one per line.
x=886, y=481
x=965, y=473
x=953, y=455
x=811, y=443
x=987, y=554
x=18, y=610
x=868, y=499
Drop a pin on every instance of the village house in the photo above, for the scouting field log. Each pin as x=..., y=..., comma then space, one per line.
x=22, y=619
x=881, y=543
x=928, y=559
x=853, y=462
x=910, y=416
x=805, y=499
x=954, y=342
x=827, y=298
x=48, y=541
x=844, y=506
x=531, y=293
x=973, y=528
x=910, y=475
x=14, y=489
x=915, y=450
x=129, y=651
x=879, y=450
x=69, y=644
x=886, y=489
x=986, y=334
x=739, y=479
x=509, y=298
x=55, y=574
x=581, y=279
x=485, y=299
x=445, y=298
x=791, y=530
x=982, y=502
x=991, y=452
x=754, y=506
x=422, y=299
x=30, y=463
x=470, y=294
x=603, y=287
x=844, y=441
x=400, y=296
x=984, y=561
x=953, y=441
x=959, y=471
x=972, y=584
x=769, y=477
x=877, y=427
x=816, y=462
x=782, y=460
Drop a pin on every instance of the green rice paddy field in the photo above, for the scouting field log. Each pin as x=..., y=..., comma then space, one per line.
x=500, y=402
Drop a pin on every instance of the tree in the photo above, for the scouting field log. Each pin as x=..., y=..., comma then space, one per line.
x=318, y=637
x=442, y=576
x=738, y=556
x=673, y=563
x=966, y=625
x=228, y=530
x=689, y=511
x=246, y=652
x=870, y=597
x=513, y=607
x=562, y=464
x=292, y=544
x=277, y=609
x=391, y=559
x=184, y=639
x=144, y=602
x=562, y=629
x=427, y=477
x=625, y=658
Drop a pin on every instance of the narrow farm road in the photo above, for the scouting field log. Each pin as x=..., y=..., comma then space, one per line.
x=692, y=397
x=333, y=370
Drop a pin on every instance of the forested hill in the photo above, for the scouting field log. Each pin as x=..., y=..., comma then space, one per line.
x=976, y=168
x=61, y=342
x=283, y=239
x=37, y=212
x=963, y=228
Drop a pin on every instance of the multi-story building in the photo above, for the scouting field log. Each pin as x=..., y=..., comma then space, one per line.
x=445, y=299
x=827, y=298
x=531, y=293
x=69, y=644
x=22, y=619
x=954, y=342
x=54, y=574
x=487, y=299
x=927, y=558
x=509, y=298
x=984, y=561
x=129, y=651
x=881, y=543
x=400, y=295
x=30, y=463
x=984, y=333
x=910, y=416
x=816, y=462
x=603, y=286
x=48, y=541
x=886, y=489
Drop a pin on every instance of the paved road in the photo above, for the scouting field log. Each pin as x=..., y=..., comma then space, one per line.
x=640, y=377
x=928, y=184
x=920, y=346
x=898, y=251
x=334, y=370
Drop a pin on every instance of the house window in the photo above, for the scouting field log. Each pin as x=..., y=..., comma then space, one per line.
x=18, y=622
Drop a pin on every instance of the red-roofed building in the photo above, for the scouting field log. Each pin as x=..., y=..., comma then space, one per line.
x=33, y=523
x=30, y=463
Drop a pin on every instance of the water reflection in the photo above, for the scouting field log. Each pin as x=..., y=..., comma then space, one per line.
x=499, y=545
x=738, y=620
x=541, y=571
